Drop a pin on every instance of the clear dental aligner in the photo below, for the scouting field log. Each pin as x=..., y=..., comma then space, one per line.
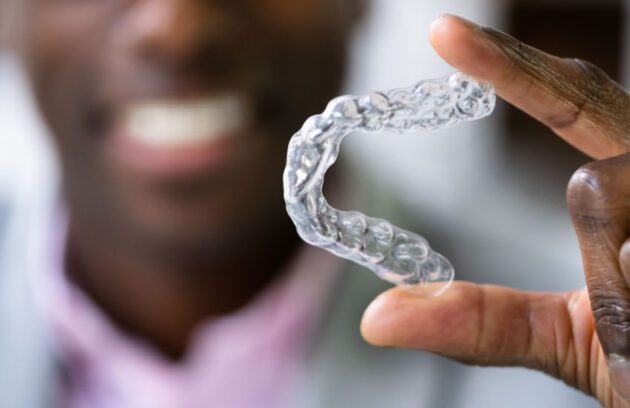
x=398, y=256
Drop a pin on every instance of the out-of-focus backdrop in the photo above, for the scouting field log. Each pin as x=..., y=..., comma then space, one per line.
x=494, y=190
x=489, y=195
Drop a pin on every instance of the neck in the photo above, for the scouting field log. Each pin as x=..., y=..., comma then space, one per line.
x=163, y=301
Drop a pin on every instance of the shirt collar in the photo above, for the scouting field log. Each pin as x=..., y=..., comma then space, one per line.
x=263, y=341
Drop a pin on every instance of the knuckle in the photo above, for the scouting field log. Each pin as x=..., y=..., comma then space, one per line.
x=610, y=306
x=598, y=95
x=594, y=85
x=601, y=189
x=611, y=312
x=592, y=76
x=589, y=189
x=562, y=357
x=593, y=94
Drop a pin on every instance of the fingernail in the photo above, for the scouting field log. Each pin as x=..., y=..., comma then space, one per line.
x=465, y=21
x=458, y=18
x=619, y=368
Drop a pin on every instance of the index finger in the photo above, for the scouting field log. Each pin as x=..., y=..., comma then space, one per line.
x=577, y=100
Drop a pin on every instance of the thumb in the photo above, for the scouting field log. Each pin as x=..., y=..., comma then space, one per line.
x=492, y=325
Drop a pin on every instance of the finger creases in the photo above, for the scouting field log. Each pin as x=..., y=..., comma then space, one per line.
x=489, y=325
x=573, y=97
x=599, y=202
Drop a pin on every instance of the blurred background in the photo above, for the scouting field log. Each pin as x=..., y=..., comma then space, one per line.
x=489, y=195
x=496, y=187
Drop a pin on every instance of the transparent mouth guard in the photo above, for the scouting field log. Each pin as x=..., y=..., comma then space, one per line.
x=394, y=254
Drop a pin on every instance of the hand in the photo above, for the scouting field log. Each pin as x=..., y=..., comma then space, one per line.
x=581, y=337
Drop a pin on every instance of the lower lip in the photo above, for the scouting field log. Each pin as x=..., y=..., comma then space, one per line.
x=175, y=162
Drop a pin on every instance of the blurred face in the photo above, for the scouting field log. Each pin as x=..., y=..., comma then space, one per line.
x=171, y=117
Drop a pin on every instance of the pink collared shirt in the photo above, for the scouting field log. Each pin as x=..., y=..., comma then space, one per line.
x=251, y=358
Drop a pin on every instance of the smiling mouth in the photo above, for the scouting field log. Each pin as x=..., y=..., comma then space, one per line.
x=169, y=124
x=178, y=138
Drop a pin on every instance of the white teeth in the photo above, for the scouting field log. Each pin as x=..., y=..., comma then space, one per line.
x=174, y=124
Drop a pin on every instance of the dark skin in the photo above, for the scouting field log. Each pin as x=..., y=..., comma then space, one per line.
x=577, y=336
x=161, y=254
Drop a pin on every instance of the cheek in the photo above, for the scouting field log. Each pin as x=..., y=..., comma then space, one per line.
x=62, y=50
x=61, y=45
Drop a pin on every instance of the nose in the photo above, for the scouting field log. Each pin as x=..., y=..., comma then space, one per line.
x=174, y=30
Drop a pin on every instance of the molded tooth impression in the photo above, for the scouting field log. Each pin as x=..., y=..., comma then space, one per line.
x=398, y=256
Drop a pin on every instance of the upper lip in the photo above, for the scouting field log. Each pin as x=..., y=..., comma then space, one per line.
x=133, y=78
x=149, y=88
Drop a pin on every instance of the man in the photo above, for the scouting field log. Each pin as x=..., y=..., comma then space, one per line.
x=170, y=119
x=177, y=279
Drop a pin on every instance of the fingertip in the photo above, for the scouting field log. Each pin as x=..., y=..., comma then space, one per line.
x=379, y=316
x=401, y=318
x=436, y=27
x=439, y=29
x=449, y=33
x=449, y=23
x=463, y=44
